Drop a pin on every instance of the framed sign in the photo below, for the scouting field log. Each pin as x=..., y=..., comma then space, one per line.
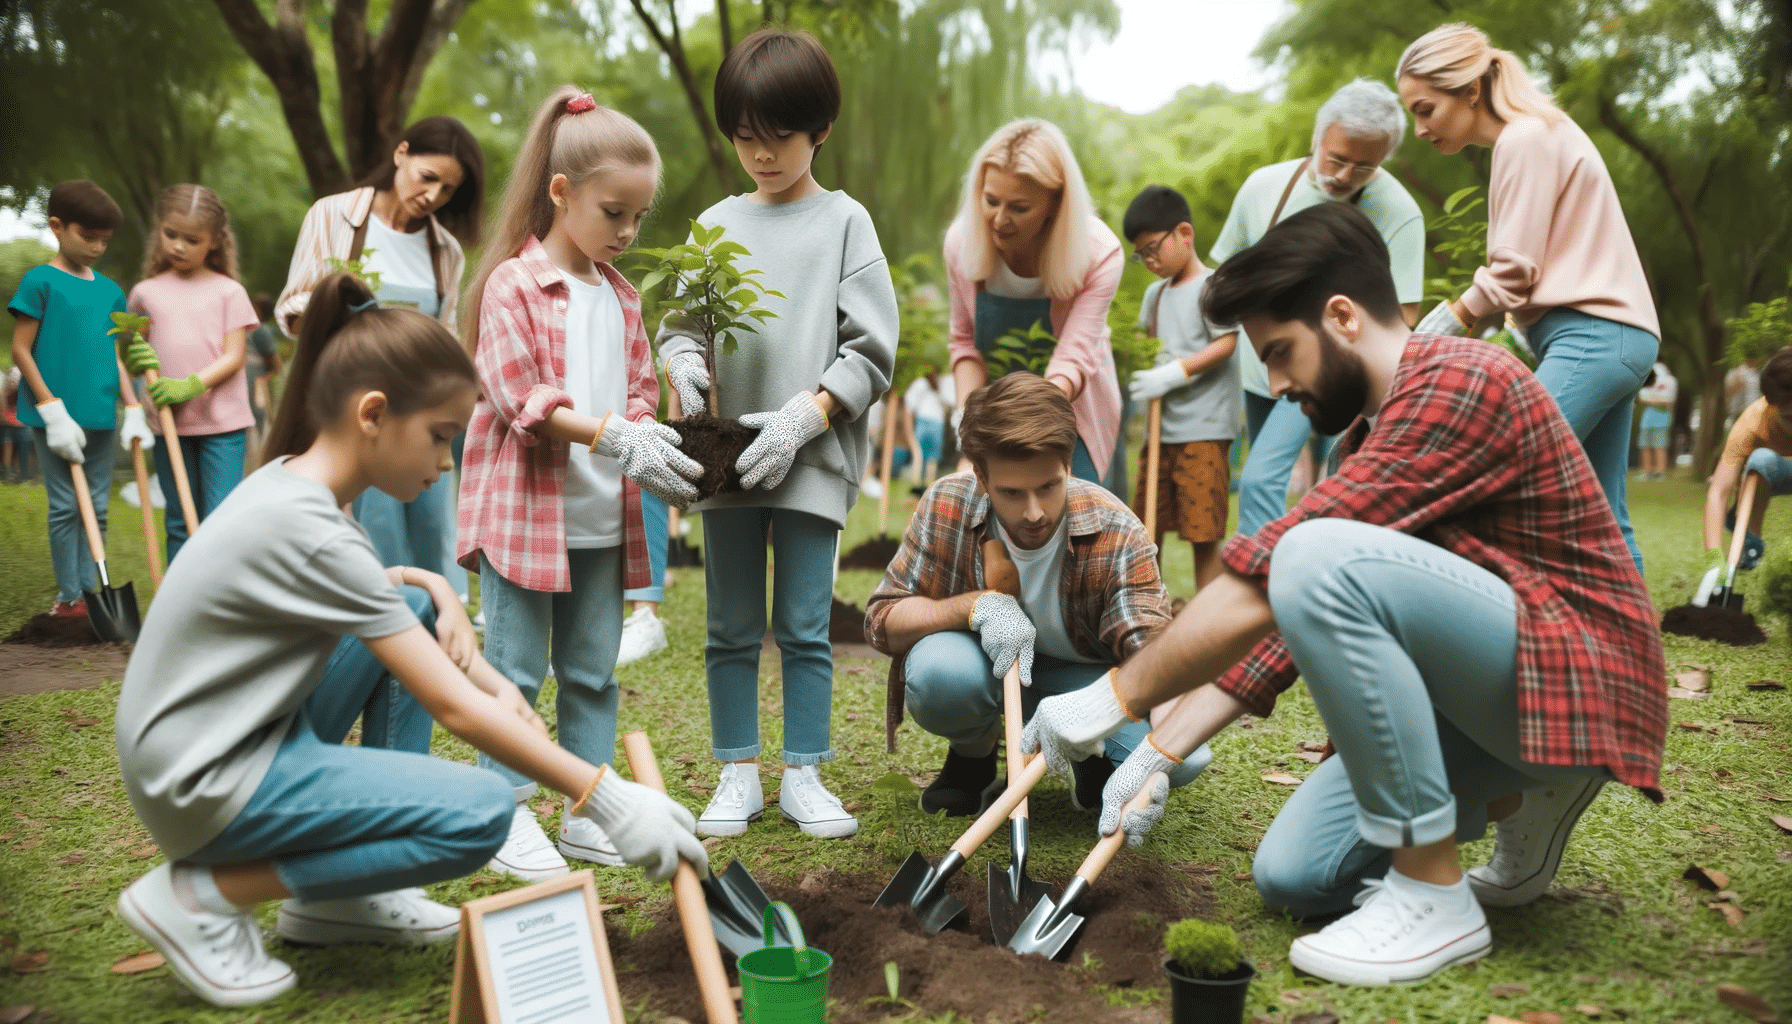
x=535, y=955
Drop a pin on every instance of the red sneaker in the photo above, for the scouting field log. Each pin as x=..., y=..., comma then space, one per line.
x=76, y=609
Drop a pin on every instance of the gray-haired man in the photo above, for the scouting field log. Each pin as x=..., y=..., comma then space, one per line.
x=1358, y=128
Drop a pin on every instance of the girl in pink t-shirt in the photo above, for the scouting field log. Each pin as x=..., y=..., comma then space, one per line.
x=199, y=321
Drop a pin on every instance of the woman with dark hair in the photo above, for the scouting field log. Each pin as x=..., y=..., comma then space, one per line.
x=404, y=224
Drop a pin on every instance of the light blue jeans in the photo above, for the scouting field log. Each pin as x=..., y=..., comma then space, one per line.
x=953, y=691
x=214, y=465
x=1594, y=367
x=69, y=556
x=802, y=546
x=1411, y=655
x=1774, y=468
x=654, y=517
x=1263, y=486
x=418, y=533
x=342, y=821
x=583, y=630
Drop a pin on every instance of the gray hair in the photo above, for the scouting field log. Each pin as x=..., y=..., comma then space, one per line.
x=1365, y=109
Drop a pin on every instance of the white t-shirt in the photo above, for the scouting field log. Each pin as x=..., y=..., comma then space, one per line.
x=597, y=380
x=1008, y=284
x=1041, y=583
x=402, y=261
x=924, y=401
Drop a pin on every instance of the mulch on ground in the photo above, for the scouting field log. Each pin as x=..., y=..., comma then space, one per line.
x=875, y=553
x=1121, y=947
x=1724, y=625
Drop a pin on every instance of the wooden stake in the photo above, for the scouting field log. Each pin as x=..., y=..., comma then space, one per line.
x=152, y=542
x=883, y=501
x=1153, y=432
x=172, y=440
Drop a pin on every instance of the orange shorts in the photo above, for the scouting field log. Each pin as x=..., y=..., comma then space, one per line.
x=1193, y=489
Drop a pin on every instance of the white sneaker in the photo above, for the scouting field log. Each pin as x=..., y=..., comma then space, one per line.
x=807, y=802
x=1529, y=844
x=1401, y=931
x=739, y=800
x=406, y=917
x=218, y=956
x=479, y=620
x=643, y=634
x=527, y=853
x=583, y=839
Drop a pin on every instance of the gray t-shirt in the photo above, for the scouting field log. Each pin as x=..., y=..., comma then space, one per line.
x=1207, y=408
x=239, y=636
x=1041, y=590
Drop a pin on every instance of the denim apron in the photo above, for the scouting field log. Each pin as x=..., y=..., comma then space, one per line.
x=997, y=317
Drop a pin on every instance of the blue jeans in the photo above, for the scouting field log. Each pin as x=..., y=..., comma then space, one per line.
x=953, y=691
x=214, y=467
x=931, y=436
x=1594, y=367
x=1411, y=655
x=418, y=533
x=1263, y=486
x=69, y=555
x=342, y=821
x=582, y=628
x=654, y=519
x=802, y=546
x=1256, y=412
x=1775, y=470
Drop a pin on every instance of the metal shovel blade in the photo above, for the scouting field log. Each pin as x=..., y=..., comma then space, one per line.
x=113, y=613
x=1011, y=893
x=736, y=908
x=1050, y=929
x=918, y=886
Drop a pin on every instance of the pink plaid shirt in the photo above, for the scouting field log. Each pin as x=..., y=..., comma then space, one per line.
x=513, y=481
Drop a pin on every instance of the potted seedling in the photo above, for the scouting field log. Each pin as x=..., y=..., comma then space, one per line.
x=707, y=294
x=1209, y=976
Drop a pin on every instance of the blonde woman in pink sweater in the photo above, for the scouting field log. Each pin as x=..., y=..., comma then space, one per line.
x=1560, y=259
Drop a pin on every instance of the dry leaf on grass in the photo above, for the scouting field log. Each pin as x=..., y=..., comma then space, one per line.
x=32, y=962
x=1778, y=799
x=1494, y=1018
x=1542, y=1017
x=1684, y=694
x=1318, y=1017
x=1589, y=1009
x=144, y=852
x=1711, y=830
x=1783, y=822
x=1732, y=913
x=72, y=857
x=546, y=808
x=712, y=842
x=1710, y=878
x=1746, y=1003
x=1695, y=727
x=1311, y=757
x=1696, y=678
x=16, y=1014
x=137, y=963
x=1311, y=747
x=1284, y=779
x=77, y=719
x=1509, y=989
x=1765, y=684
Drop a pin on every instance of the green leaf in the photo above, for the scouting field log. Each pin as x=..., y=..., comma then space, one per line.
x=1458, y=196
x=729, y=250
x=652, y=281
x=895, y=782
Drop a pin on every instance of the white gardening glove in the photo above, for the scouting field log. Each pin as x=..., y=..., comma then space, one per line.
x=781, y=434
x=1715, y=563
x=1127, y=780
x=650, y=829
x=1442, y=320
x=687, y=375
x=1073, y=726
x=135, y=428
x=650, y=457
x=1006, y=634
x=65, y=435
x=1157, y=381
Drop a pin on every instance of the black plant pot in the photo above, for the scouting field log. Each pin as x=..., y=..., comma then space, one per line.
x=1208, y=1000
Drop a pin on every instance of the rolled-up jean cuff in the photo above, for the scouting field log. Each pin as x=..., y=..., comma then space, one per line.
x=799, y=760
x=737, y=753
x=651, y=595
x=1123, y=743
x=525, y=790
x=1395, y=833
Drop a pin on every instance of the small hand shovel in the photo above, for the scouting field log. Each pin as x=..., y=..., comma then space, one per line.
x=1726, y=596
x=1011, y=892
x=732, y=897
x=921, y=886
x=112, y=611
x=1049, y=930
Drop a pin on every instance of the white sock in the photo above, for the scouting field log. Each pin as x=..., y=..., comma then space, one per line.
x=1453, y=896
x=195, y=889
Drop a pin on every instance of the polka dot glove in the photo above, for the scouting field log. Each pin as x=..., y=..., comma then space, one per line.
x=1006, y=634
x=650, y=457
x=1144, y=767
x=1074, y=726
x=781, y=435
x=687, y=375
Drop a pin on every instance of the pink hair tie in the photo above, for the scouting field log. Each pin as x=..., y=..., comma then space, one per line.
x=580, y=103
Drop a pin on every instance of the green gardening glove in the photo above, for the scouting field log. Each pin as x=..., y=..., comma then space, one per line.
x=1715, y=559
x=140, y=358
x=167, y=391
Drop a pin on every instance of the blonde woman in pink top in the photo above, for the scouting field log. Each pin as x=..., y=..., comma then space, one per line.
x=1027, y=248
x=1560, y=259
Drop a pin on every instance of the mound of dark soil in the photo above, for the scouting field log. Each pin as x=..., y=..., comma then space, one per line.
x=846, y=623
x=875, y=553
x=1738, y=629
x=717, y=444
x=48, y=630
x=958, y=971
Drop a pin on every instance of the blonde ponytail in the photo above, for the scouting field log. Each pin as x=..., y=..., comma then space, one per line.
x=1453, y=57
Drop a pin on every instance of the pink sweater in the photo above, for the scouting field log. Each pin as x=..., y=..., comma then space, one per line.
x=1084, y=354
x=1556, y=235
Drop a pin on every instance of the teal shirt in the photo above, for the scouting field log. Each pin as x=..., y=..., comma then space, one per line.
x=73, y=351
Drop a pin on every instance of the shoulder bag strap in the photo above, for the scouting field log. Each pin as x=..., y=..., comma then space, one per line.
x=435, y=263
x=1286, y=192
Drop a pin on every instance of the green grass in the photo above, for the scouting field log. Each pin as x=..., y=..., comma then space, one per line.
x=1620, y=931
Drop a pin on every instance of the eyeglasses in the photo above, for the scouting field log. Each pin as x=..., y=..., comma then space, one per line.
x=1149, y=252
x=1331, y=165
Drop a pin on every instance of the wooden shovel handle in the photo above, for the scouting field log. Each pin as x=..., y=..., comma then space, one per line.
x=1097, y=861
x=171, y=439
x=1011, y=726
x=151, y=542
x=1745, y=508
x=883, y=473
x=687, y=895
x=1153, y=433
x=985, y=826
x=88, y=519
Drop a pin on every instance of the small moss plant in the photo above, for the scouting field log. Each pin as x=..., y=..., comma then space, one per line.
x=1203, y=949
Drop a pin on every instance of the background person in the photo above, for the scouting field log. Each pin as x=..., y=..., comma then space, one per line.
x=1657, y=398
x=1761, y=443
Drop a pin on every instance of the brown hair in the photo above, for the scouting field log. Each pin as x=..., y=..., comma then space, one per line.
x=1019, y=416
x=776, y=80
x=409, y=357
x=577, y=145
x=82, y=202
x=1776, y=379
x=204, y=206
x=446, y=136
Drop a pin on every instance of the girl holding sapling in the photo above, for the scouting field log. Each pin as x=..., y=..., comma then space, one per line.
x=804, y=380
x=562, y=440
x=278, y=631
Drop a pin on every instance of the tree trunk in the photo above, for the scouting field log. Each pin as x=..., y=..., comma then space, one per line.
x=673, y=47
x=727, y=25
x=284, y=55
x=1711, y=420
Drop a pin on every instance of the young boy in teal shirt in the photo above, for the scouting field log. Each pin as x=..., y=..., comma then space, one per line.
x=63, y=311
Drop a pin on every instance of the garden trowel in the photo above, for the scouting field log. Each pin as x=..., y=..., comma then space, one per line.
x=1011, y=892
x=112, y=610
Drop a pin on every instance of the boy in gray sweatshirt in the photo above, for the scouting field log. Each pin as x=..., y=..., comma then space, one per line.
x=805, y=381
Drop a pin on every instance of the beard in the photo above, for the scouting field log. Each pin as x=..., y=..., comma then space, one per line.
x=1335, y=190
x=1342, y=390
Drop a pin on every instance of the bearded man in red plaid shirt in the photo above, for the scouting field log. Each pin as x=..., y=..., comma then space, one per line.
x=1457, y=596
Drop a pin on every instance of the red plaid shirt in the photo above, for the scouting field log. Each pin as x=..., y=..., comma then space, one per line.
x=513, y=481
x=1470, y=453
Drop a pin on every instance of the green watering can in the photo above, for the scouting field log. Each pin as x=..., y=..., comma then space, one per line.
x=784, y=984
